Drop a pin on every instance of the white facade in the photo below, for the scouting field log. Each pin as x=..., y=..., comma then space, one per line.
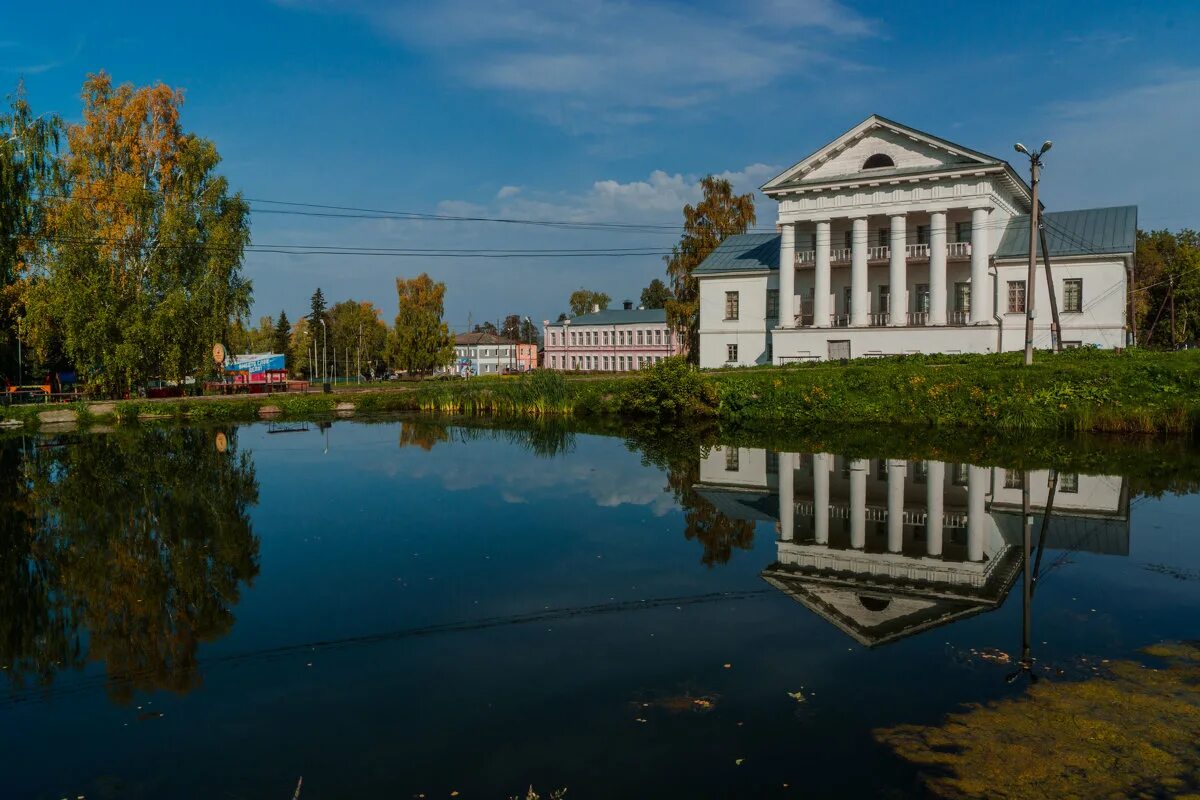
x=947, y=224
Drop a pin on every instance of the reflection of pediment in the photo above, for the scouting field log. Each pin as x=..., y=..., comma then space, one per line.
x=748, y=505
x=875, y=611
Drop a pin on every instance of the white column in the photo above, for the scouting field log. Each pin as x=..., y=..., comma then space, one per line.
x=858, y=504
x=977, y=480
x=859, y=308
x=897, y=471
x=822, y=464
x=937, y=268
x=898, y=272
x=787, y=500
x=981, y=289
x=935, y=488
x=787, y=276
x=821, y=309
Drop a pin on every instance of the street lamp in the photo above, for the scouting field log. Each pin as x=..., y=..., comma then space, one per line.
x=1035, y=168
x=324, y=351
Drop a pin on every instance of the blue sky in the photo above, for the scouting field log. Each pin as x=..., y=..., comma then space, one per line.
x=609, y=112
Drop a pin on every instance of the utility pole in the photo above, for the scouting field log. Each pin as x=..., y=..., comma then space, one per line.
x=1172, y=296
x=1056, y=323
x=1035, y=168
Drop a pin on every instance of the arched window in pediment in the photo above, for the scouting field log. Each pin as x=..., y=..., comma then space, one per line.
x=878, y=160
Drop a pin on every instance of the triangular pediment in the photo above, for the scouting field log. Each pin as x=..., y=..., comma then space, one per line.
x=875, y=149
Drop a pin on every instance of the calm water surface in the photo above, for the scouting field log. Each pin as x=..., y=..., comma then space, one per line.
x=402, y=610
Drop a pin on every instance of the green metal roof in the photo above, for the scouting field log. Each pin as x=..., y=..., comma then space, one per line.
x=746, y=252
x=618, y=316
x=1091, y=231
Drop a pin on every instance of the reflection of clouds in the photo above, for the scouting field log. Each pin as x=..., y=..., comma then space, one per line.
x=600, y=469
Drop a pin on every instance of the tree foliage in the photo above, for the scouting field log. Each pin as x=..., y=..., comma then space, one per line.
x=1168, y=267
x=719, y=215
x=582, y=301
x=656, y=295
x=282, y=339
x=143, y=267
x=359, y=336
x=421, y=341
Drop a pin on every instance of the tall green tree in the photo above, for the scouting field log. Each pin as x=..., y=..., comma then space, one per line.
x=656, y=295
x=143, y=268
x=487, y=326
x=282, y=340
x=29, y=176
x=1167, y=273
x=511, y=329
x=318, y=309
x=530, y=334
x=421, y=341
x=582, y=301
x=719, y=215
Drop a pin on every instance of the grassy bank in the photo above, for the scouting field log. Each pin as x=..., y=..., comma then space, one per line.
x=1080, y=390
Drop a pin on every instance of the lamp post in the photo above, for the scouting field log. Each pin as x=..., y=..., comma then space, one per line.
x=324, y=352
x=20, y=361
x=1035, y=168
x=566, y=344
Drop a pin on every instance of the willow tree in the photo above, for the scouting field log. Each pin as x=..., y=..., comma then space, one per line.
x=421, y=341
x=143, y=271
x=28, y=174
x=719, y=215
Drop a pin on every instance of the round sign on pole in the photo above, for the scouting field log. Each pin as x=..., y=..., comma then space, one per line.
x=222, y=442
x=218, y=353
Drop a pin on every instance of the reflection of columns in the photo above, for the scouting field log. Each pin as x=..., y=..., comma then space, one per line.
x=937, y=268
x=935, y=487
x=821, y=278
x=787, y=276
x=858, y=273
x=981, y=293
x=822, y=463
x=858, y=503
x=898, y=272
x=897, y=470
x=787, y=500
x=977, y=478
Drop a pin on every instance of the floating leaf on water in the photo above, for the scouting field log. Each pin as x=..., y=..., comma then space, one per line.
x=797, y=696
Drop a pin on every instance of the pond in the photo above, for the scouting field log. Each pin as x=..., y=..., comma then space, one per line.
x=401, y=608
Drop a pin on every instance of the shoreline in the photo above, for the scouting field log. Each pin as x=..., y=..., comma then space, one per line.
x=1135, y=392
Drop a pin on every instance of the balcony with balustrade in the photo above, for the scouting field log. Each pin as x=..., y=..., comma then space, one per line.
x=881, y=256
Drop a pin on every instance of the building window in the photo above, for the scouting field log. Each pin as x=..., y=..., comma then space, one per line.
x=922, y=234
x=658, y=337
x=731, y=459
x=884, y=237
x=772, y=304
x=554, y=339
x=962, y=297
x=731, y=353
x=1014, y=479
x=574, y=337
x=846, y=300
x=606, y=363
x=1068, y=482
x=1016, y=297
x=959, y=475
x=773, y=463
x=878, y=161
x=920, y=472
x=849, y=239
x=554, y=362
x=639, y=335
x=922, y=298
x=731, y=305
x=884, y=294
x=962, y=231
x=1073, y=295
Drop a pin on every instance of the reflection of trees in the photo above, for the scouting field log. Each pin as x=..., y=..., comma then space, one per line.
x=545, y=438
x=141, y=541
x=1129, y=733
x=422, y=433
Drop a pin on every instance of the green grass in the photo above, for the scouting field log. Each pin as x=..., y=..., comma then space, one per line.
x=1079, y=390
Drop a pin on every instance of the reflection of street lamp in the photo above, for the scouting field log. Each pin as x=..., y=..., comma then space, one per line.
x=20, y=363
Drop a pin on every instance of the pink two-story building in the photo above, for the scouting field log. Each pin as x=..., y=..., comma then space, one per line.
x=613, y=340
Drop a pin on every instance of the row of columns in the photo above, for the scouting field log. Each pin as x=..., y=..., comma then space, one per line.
x=977, y=485
x=897, y=271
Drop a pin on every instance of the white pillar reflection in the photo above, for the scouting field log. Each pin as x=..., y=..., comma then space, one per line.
x=935, y=487
x=787, y=500
x=896, y=472
x=977, y=484
x=822, y=464
x=858, y=503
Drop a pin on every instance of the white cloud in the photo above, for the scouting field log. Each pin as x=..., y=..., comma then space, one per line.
x=507, y=191
x=589, y=63
x=1130, y=146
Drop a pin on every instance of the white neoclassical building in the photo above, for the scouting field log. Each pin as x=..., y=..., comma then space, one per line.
x=886, y=548
x=896, y=241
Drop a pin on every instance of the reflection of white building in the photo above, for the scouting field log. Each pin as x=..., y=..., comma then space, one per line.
x=885, y=548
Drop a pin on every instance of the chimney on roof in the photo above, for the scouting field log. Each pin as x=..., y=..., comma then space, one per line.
x=595, y=308
x=628, y=305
